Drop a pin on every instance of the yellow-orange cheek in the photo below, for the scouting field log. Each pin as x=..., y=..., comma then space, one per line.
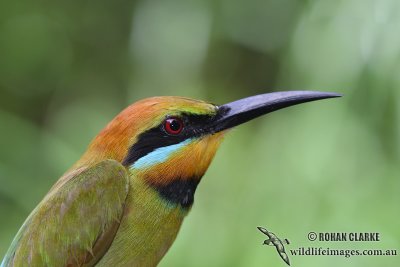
x=189, y=162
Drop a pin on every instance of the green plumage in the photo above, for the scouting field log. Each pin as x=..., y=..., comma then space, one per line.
x=75, y=221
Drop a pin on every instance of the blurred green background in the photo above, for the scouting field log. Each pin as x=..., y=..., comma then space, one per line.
x=67, y=68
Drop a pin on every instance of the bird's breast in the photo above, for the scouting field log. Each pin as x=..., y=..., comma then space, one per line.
x=149, y=225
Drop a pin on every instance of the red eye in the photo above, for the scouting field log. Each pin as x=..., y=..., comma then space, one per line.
x=173, y=126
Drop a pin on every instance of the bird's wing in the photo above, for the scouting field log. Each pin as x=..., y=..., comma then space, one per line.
x=262, y=230
x=281, y=251
x=76, y=222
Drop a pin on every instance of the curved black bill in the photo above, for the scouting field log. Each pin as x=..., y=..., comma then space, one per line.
x=246, y=109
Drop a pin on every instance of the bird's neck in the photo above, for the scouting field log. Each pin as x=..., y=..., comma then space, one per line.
x=148, y=228
x=176, y=193
x=173, y=172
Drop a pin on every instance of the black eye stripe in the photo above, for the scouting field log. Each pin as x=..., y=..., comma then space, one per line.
x=157, y=137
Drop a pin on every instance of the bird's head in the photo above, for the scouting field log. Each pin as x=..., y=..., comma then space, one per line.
x=169, y=142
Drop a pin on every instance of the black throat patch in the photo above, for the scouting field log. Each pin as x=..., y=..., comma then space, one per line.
x=178, y=192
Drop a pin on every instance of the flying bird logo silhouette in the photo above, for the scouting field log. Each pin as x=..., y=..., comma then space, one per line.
x=273, y=240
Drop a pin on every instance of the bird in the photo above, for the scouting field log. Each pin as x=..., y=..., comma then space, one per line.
x=273, y=240
x=123, y=202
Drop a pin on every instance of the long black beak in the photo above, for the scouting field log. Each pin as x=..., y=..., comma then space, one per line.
x=246, y=109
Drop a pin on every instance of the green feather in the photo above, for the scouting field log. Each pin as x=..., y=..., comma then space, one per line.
x=76, y=221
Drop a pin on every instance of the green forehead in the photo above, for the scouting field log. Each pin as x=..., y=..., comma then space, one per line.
x=158, y=108
x=185, y=105
x=201, y=110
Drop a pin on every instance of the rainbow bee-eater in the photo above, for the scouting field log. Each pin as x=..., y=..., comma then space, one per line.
x=123, y=202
